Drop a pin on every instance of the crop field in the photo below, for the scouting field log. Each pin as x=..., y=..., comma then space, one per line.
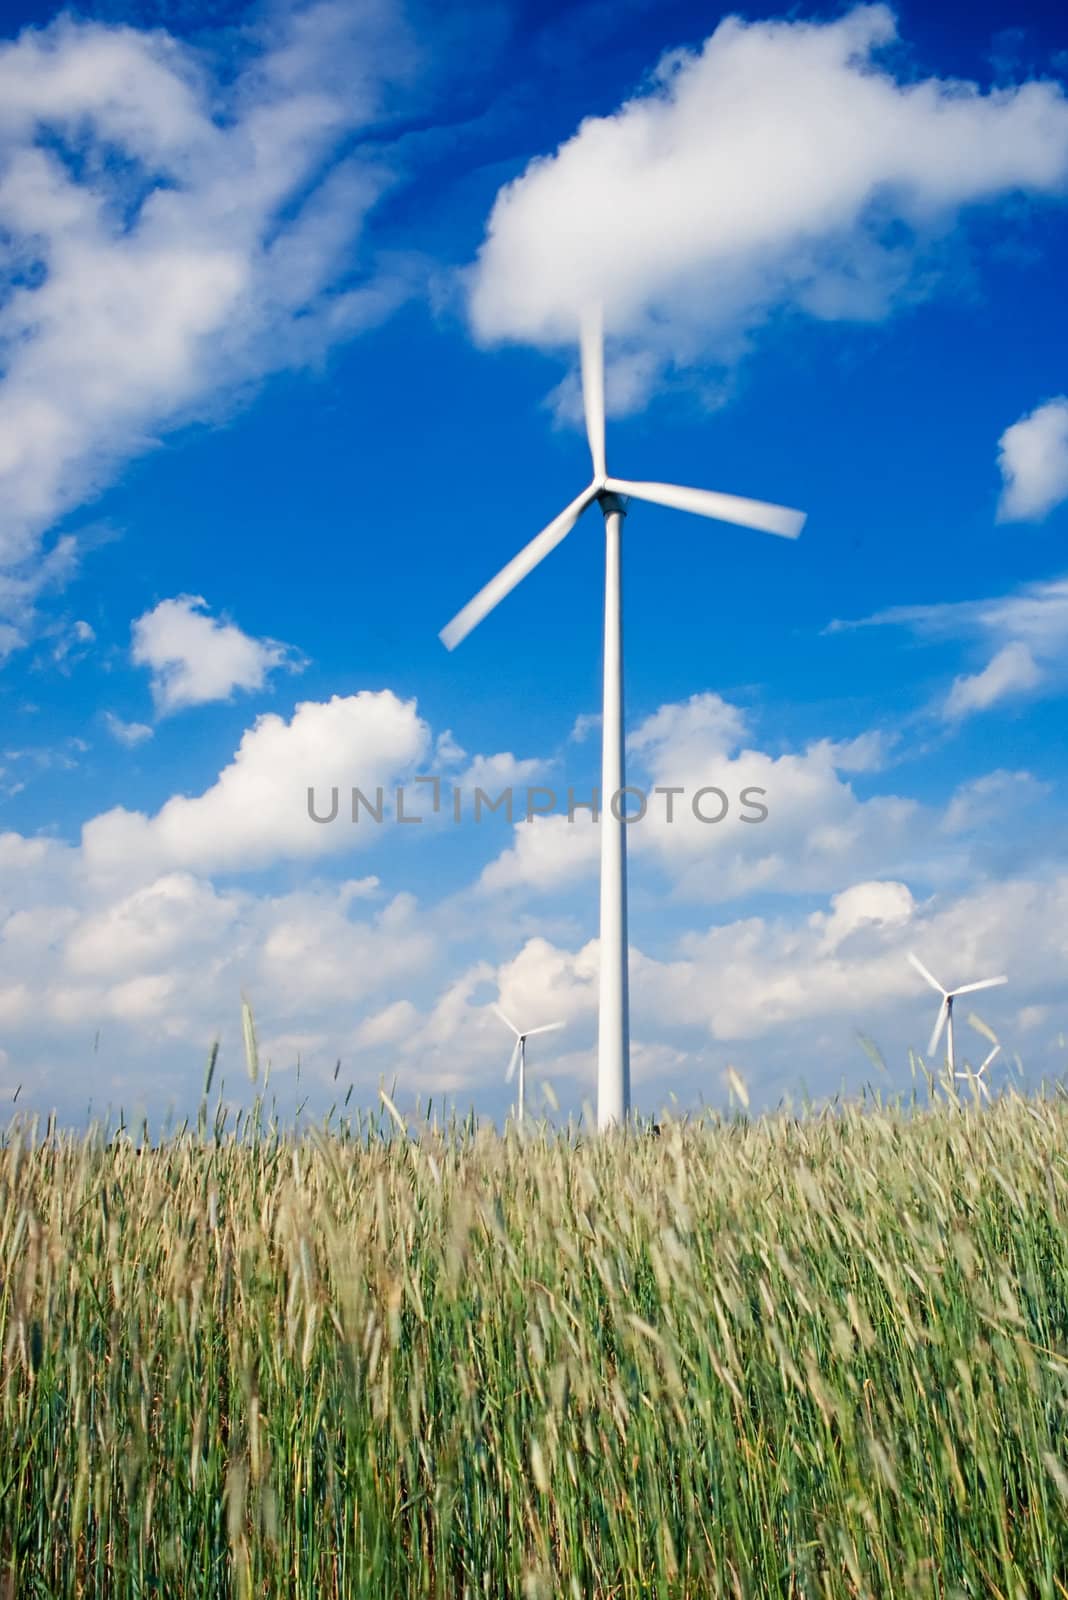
x=824, y=1356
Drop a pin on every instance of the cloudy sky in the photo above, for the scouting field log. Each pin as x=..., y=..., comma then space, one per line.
x=288, y=307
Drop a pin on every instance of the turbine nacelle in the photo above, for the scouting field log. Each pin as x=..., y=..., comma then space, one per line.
x=976, y=1078
x=945, y=1010
x=730, y=508
x=612, y=494
x=518, y=1057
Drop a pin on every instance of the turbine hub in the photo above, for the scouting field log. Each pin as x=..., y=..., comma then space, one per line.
x=609, y=502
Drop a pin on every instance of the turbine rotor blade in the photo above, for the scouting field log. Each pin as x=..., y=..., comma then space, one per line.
x=510, y=1074
x=550, y=1027
x=984, y=983
x=923, y=972
x=506, y=1020
x=516, y=570
x=943, y=1018
x=592, y=354
x=710, y=503
x=989, y=1059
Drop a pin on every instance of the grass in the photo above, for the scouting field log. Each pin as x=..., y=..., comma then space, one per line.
x=770, y=1357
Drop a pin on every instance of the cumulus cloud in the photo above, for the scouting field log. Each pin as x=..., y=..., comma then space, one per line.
x=195, y=658
x=1027, y=630
x=1033, y=459
x=876, y=904
x=388, y=1026
x=780, y=164
x=174, y=915
x=170, y=959
x=459, y=1042
x=256, y=812
x=751, y=977
x=169, y=234
x=148, y=932
x=504, y=770
x=991, y=799
x=796, y=985
x=816, y=828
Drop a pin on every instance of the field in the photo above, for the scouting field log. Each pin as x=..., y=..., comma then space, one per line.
x=768, y=1357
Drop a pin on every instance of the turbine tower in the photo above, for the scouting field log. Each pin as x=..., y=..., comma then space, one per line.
x=945, y=1010
x=519, y=1055
x=612, y=494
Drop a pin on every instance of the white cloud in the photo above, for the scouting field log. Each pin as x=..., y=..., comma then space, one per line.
x=801, y=986
x=72, y=644
x=753, y=977
x=388, y=1026
x=315, y=957
x=876, y=904
x=1028, y=632
x=491, y=774
x=194, y=658
x=586, y=723
x=447, y=753
x=22, y=585
x=256, y=812
x=176, y=914
x=547, y=853
x=992, y=798
x=542, y=984
x=868, y=752
x=127, y=733
x=130, y=934
x=1033, y=459
x=1036, y=613
x=170, y=234
x=170, y=960
x=779, y=164
x=1012, y=671
x=816, y=829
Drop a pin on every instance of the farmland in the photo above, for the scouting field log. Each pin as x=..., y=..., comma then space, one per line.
x=824, y=1356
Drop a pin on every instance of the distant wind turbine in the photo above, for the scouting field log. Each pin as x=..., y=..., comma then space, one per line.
x=612, y=494
x=519, y=1054
x=976, y=1077
x=944, y=1020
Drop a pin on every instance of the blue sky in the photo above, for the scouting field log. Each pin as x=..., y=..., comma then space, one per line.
x=287, y=372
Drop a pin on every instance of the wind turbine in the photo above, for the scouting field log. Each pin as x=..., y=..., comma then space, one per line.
x=519, y=1054
x=976, y=1077
x=945, y=1010
x=612, y=494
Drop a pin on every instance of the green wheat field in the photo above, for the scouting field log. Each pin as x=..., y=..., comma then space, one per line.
x=779, y=1356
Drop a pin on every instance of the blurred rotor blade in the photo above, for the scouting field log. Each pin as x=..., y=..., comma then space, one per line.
x=989, y=1059
x=516, y=570
x=506, y=1020
x=710, y=503
x=592, y=349
x=510, y=1074
x=982, y=1027
x=984, y=983
x=550, y=1027
x=923, y=972
x=943, y=1018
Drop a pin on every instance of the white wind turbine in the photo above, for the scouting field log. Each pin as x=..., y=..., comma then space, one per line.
x=612, y=494
x=976, y=1077
x=519, y=1055
x=944, y=1020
